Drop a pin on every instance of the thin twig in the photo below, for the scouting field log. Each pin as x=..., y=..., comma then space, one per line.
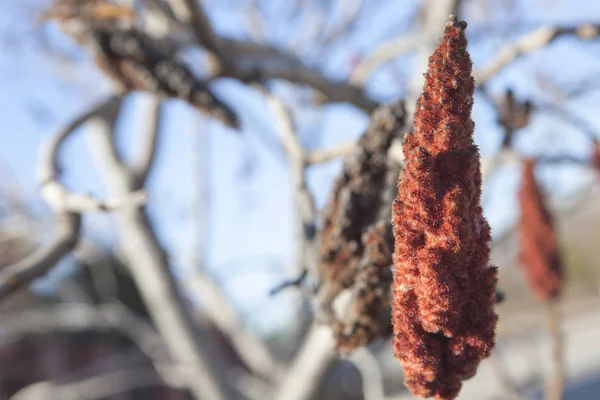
x=149, y=141
x=370, y=371
x=531, y=42
x=253, y=352
x=321, y=156
x=65, y=205
x=289, y=283
x=555, y=385
x=382, y=54
x=304, y=202
x=80, y=317
x=504, y=377
x=256, y=62
x=191, y=13
x=101, y=386
x=311, y=362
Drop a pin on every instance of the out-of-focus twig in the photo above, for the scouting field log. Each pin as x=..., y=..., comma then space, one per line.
x=101, y=386
x=503, y=376
x=320, y=156
x=311, y=361
x=304, y=200
x=370, y=371
x=531, y=42
x=256, y=62
x=253, y=352
x=66, y=206
x=149, y=142
x=81, y=316
x=556, y=382
x=382, y=54
x=149, y=267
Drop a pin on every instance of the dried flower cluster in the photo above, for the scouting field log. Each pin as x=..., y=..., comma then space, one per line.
x=133, y=59
x=539, y=247
x=443, y=289
x=356, y=240
x=595, y=159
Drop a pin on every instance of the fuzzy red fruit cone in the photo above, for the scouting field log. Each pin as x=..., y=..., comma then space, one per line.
x=443, y=290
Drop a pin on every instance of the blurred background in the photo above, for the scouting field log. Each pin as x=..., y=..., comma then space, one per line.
x=172, y=300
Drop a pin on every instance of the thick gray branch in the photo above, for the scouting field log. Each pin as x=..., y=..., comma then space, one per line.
x=150, y=268
x=309, y=366
x=65, y=205
x=14, y=277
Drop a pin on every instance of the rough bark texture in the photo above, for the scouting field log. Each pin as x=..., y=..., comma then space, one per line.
x=356, y=241
x=539, y=248
x=443, y=290
x=135, y=60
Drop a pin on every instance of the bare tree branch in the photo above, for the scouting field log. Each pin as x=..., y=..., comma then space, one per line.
x=556, y=382
x=16, y=276
x=150, y=268
x=142, y=165
x=370, y=371
x=253, y=387
x=255, y=22
x=101, y=386
x=81, y=316
x=351, y=10
x=198, y=20
x=253, y=352
x=65, y=205
x=503, y=376
x=253, y=62
x=310, y=364
x=532, y=42
x=320, y=156
x=305, y=204
x=382, y=54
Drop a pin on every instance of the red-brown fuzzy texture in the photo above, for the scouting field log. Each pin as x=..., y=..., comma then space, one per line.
x=539, y=247
x=596, y=155
x=443, y=290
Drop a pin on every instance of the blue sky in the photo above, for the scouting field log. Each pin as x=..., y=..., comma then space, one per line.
x=250, y=204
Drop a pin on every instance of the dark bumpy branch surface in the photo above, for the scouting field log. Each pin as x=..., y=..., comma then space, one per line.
x=254, y=62
x=133, y=59
x=356, y=241
x=443, y=290
x=140, y=64
x=258, y=63
x=539, y=247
